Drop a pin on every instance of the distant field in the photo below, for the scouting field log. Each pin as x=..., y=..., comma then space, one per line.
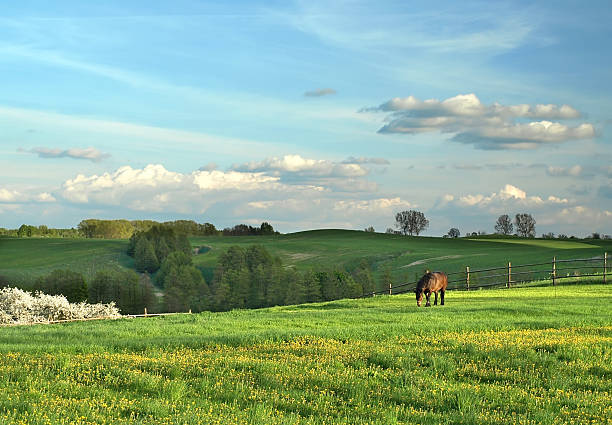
x=22, y=259
x=407, y=257
x=518, y=356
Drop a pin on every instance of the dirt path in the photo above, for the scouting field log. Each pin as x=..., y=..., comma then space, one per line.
x=444, y=257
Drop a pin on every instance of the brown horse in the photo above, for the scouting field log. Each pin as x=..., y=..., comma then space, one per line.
x=431, y=282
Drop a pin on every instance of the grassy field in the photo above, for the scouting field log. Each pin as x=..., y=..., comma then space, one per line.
x=406, y=257
x=519, y=356
x=22, y=259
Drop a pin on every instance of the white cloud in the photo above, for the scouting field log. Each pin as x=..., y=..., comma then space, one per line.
x=19, y=197
x=581, y=215
x=157, y=189
x=484, y=126
x=9, y=195
x=238, y=195
x=90, y=153
x=295, y=164
x=509, y=195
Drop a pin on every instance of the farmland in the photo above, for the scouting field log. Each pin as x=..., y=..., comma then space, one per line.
x=528, y=355
x=406, y=257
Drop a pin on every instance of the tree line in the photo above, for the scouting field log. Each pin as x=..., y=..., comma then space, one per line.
x=124, y=229
x=252, y=278
x=243, y=278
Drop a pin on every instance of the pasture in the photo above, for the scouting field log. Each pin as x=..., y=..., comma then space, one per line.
x=518, y=356
x=406, y=257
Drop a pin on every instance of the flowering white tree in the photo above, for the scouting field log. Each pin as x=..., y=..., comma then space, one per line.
x=22, y=307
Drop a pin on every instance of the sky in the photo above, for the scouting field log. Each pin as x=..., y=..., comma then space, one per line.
x=312, y=114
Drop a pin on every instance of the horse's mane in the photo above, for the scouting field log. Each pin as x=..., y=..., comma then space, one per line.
x=421, y=283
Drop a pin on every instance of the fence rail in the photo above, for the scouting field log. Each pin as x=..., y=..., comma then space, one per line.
x=515, y=274
x=88, y=319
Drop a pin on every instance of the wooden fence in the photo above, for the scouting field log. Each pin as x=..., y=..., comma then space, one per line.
x=511, y=275
x=123, y=316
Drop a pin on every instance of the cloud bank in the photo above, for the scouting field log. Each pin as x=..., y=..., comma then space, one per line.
x=493, y=126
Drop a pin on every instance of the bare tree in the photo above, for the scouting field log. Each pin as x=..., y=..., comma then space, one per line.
x=411, y=222
x=454, y=233
x=503, y=226
x=525, y=225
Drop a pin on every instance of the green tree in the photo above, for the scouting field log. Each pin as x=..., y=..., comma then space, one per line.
x=312, y=287
x=146, y=260
x=70, y=284
x=411, y=222
x=295, y=292
x=363, y=275
x=386, y=280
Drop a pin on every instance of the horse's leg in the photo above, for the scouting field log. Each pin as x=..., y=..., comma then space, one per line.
x=442, y=296
x=436, y=299
x=428, y=294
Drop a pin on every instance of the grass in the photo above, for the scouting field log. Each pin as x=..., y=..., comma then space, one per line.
x=526, y=355
x=23, y=259
x=407, y=257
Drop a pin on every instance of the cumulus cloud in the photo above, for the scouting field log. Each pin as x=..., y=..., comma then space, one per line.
x=156, y=189
x=295, y=164
x=90, y=153
x=320, y=92
x=237, y=194
x=208, y=167
x=19, y=197
x=507, y=195
x=492, y=126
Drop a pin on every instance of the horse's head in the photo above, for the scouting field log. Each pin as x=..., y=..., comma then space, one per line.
x=419, y=296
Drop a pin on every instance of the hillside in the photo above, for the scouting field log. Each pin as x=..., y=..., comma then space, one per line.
x=407, y=257
x=529, y=355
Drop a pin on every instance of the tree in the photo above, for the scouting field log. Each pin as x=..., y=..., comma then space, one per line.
x=63, y=282
x=312, y=287
x=386, y=280
x=525, y=225
x=369, y=229
x=503, y=225
x=146, y=260
x=411, y=222
x=454, y=233
x=363, y=275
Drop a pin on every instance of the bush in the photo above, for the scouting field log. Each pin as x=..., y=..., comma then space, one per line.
x=21, y=307
x=70, y=284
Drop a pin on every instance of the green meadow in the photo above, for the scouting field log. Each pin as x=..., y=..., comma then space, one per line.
x=517, y=356
x=406, y=257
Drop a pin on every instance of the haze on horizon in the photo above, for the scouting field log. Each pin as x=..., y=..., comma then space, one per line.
x=307, y=114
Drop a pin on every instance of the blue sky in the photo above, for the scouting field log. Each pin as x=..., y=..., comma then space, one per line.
x=307, y=114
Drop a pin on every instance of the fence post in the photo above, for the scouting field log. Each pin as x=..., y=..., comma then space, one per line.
x=605, y=265
x=554, y=270
x=145, y=312
x=390, y=288
x=509, y=274
x=467, y=277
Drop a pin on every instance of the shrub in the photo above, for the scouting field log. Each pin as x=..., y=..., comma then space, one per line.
x=21, y=307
